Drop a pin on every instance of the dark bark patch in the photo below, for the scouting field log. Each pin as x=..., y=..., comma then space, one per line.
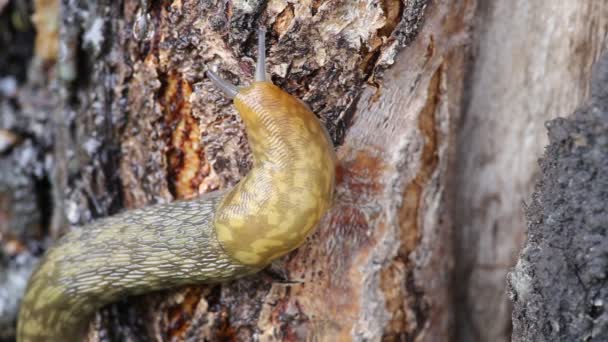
x=560, y=284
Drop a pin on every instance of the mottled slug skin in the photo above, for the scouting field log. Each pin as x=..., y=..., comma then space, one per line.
x=132, y=253
x=291, y=184
x=214, y=238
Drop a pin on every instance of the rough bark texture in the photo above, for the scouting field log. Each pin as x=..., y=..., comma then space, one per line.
x=24, y=188
x=119, y=115
x=560, y=284
x=532, y=62
x=126, y=114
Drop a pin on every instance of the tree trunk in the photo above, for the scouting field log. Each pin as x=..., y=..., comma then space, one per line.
x=532, y=63
x=559, y=284
x=113, y=111
x=123, y=114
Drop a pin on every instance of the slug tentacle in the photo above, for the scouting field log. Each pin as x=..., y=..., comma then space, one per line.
x=228, y=89
x=260, y=67
x=214, y=238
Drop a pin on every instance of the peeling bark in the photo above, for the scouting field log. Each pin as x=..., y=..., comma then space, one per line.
x=112, y=111
x=131, y=120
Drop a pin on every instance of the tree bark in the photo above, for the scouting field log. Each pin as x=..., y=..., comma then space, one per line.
x=532, y=62
x=113, y=111
x=559, y=284
x=127, y=114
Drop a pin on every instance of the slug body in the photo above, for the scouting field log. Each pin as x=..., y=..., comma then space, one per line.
x=214, y=238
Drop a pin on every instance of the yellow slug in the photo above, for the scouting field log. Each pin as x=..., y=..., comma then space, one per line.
x=214, y=238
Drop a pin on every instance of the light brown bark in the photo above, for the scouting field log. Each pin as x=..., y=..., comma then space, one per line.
x=379, y=265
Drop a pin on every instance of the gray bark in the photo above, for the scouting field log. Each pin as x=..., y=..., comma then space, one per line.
x=532, y=62
x=559, y=286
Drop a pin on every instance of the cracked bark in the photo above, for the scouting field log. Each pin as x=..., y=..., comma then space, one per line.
x=124, y=116
x=96, y=133
x=119, y=115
